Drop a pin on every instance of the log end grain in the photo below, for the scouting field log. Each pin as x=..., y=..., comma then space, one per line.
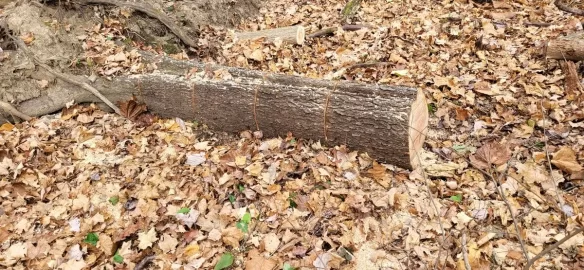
x=418, y=126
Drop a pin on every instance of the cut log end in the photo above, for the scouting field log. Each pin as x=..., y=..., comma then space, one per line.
x=292, y=35
x=417, y=128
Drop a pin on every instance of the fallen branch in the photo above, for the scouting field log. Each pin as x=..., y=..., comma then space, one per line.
x=145, y=8
x=538, y=24
x=62, y=76
x=8, y=108
x=368, y=64
x=564, y=7
x=570, y=47
x=552, y=247
x=292, y=34
x=331, y=30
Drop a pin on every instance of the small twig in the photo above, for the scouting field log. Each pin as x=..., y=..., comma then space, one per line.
x=64, y=77
x=145, y=8
x=550, y=248
x=331, y=30
x=502, y=195
x=465, y=252
x=566, y=8
x=547, y=154
x=144, y=262
x=7, y=107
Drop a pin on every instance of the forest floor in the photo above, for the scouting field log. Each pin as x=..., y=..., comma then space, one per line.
x=86, y=188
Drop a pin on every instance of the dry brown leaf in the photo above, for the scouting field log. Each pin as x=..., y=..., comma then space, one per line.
x=489, y=154
x=565, y=159
x=256, y=261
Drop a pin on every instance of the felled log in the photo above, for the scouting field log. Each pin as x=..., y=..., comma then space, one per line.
x=292, y=34
x=570, y=47
x=388, y=122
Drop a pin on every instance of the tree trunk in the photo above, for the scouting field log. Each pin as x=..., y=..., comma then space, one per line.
x=388, y=122
x=570, y=47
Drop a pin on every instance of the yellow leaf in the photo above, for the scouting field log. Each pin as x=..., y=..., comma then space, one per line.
x=6, y=127
x=192, y=249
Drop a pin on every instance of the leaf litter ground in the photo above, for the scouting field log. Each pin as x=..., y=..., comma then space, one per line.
x=87, y=188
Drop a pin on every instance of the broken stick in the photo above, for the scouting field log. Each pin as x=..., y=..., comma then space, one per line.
x=291, y=34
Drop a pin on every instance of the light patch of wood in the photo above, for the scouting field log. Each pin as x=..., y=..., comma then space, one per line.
x=418, y=126
x=570, y=47
x=291, y=35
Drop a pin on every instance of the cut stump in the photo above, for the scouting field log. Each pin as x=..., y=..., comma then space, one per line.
x=388, y=122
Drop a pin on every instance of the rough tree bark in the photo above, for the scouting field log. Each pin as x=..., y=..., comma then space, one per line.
x=388, y=122
x=570, y=47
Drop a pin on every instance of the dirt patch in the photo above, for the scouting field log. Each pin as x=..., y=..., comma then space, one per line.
x=55, y=34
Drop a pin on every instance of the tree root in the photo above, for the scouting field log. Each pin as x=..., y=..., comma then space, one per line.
x=62, y=76
x=143, y=7
x=5, y=106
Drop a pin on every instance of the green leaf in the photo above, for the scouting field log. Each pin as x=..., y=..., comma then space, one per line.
x=114, y=200
x=287, y=266
x=432, y=108
x=246, y=217
x=293, y=204
x=225, y=261
x=293, y=141
x=184, y=210
x=241, y=187
x=457, y=198
x=243, y=226
x=92, y=239
x=118, y=258
x=231, y=198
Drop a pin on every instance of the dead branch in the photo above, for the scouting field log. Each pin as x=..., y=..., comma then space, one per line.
x=368, y=64
x=144, y=262
x=62, y=76
x=538, y=24
x=7, y=107
x=145, y=8
x=564, y=7
x=552, y=247
x=331, y=30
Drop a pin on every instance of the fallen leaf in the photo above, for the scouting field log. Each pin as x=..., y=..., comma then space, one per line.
x=565, y=159
x=146, y=239
x=492, y=153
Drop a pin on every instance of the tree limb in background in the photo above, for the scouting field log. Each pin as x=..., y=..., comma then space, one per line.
x=566, y=8
x=145, y=8
x=62, y=76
